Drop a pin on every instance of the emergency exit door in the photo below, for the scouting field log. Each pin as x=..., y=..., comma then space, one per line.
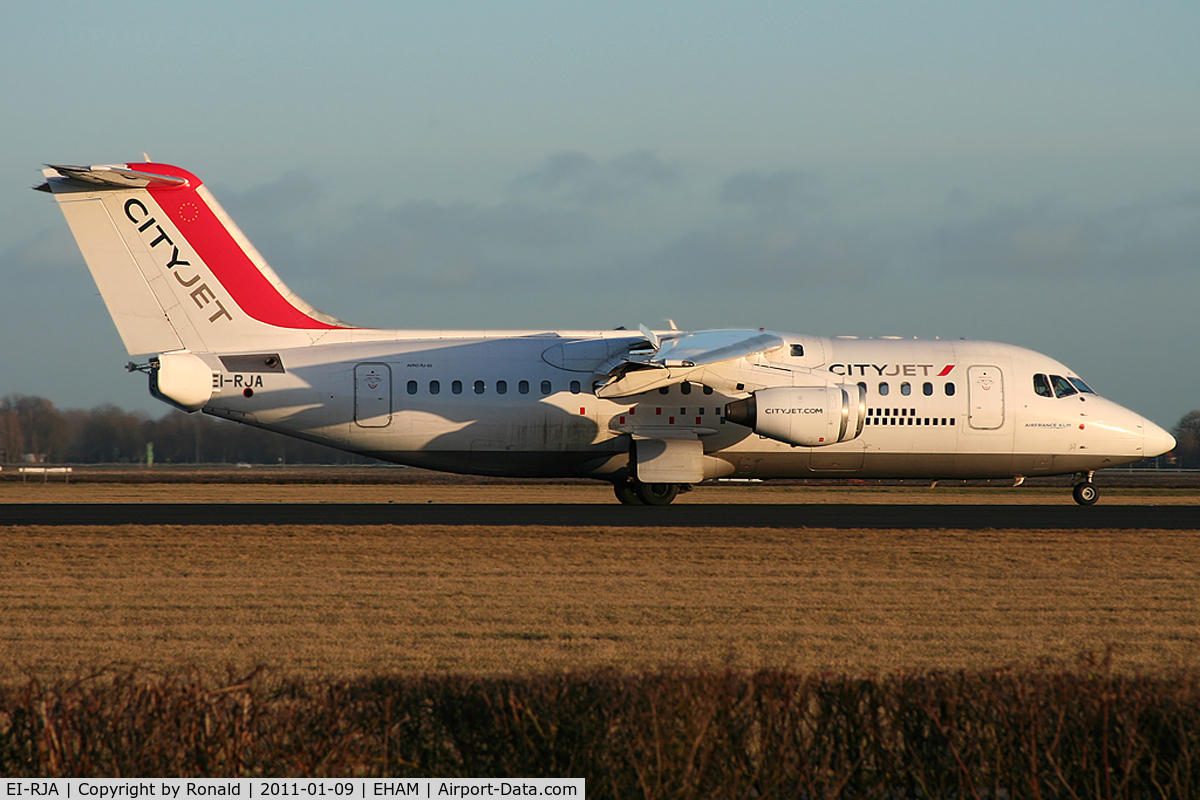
x=985, y=393
x=373, y=395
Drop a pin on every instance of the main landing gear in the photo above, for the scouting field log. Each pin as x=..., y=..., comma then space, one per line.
x=1085, y=492
x=636, y=493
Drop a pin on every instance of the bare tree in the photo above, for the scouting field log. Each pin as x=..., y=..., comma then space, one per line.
x=1187, y=435
x=43, y=429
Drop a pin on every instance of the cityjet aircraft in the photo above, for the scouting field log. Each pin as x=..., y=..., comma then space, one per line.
x=651, y=412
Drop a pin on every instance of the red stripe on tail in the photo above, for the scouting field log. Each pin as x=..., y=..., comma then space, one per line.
x=230, y=264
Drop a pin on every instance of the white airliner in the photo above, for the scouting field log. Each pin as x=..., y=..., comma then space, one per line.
x=651, y=412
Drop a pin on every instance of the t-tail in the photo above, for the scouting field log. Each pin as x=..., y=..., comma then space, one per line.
x=175, y=272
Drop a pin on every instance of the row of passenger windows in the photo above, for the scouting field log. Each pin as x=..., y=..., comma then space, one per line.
x=906, y=389
x=480, y=387
x=1058, y=386
x=523, y=387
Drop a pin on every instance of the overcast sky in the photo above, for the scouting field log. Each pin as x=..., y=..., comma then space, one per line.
x=1025, y=172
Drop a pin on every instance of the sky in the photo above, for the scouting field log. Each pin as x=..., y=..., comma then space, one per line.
x=1024, y=172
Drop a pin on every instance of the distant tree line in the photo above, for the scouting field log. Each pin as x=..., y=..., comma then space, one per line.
x=1187, y=437
x=33, y=429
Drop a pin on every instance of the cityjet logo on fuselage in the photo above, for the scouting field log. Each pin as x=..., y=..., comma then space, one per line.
x=137, y=213
x=890, y=370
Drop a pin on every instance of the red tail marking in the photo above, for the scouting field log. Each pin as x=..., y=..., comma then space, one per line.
x=230, y=265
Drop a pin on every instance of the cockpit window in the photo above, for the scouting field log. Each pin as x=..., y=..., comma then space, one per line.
x=1062, y=386
x=1058, y=386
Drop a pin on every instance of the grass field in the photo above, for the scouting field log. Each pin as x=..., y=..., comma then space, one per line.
x=265, y=486
x=629, y=656
x=341, y=601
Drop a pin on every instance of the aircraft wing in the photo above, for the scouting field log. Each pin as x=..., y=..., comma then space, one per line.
x=709, y=347
x=672, y=358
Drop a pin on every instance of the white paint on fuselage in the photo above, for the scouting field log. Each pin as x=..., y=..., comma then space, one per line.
x=916, y=429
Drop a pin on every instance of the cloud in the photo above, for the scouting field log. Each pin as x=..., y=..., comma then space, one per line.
x=577, y=241
x=776, y=192
x=578, y=178
x=293, y=192
x=1048, y=238
x=425, y=233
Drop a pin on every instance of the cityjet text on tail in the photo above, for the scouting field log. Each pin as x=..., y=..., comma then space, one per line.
x=651, y=412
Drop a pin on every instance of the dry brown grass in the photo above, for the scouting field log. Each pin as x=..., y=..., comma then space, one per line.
x=35, y=491
x=347, y=601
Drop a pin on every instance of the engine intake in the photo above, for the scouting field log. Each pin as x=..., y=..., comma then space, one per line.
x=805, y=416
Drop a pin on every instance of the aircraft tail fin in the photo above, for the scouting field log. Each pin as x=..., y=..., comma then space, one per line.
x=173, y=268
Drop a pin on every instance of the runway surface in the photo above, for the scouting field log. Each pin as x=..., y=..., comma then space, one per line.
x=965, y=517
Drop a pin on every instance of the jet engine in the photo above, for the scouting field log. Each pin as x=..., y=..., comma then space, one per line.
x=181, y=379
x=808, y=416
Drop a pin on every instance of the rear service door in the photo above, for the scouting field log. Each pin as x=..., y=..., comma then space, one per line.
x=373, y=395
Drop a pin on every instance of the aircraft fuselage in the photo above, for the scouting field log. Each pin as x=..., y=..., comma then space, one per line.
x=497, y=405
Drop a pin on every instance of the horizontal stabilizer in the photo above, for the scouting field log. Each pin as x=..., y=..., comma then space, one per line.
x=116, y=176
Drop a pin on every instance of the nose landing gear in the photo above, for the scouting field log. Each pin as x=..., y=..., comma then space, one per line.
x=1085, y=492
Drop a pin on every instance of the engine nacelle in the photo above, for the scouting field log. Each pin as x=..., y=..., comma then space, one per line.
x=181, y=379
x=806, y=416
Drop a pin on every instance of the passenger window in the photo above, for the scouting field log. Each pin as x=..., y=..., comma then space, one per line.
x=927, y=389
x=501, y=387
x=863, y=386
x=906, y=389
x=575, y=387
x=708, y=390
x=664, y=389
x=1041, y=386
x=523, y=387
x=883, y=390
x=480, y=387
x=1062, y=386
x=456, y=387
x=949, y=390
x=412, y=387
x=685, y=387
x=434, y=387
x=546, y=387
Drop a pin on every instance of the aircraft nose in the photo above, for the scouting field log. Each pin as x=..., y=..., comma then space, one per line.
x=1157, y=441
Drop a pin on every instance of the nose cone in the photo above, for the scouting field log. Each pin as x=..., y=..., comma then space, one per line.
x=1157, y=441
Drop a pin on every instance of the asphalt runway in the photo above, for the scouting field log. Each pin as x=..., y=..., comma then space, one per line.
x=965, y=517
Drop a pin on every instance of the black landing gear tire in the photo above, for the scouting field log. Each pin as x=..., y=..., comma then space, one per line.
x=656, y=494
x=1086, y=494
x=627, y=494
